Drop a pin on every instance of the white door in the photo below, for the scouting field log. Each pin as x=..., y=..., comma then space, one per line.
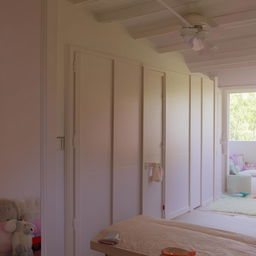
x=152, y=140
x=195, y=140
x=177, y=145
x=93, y=155
x=207, y=141
x=106, y=184
x=218, y=177
x=127, y=136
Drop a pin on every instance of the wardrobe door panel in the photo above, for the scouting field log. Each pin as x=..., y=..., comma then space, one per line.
x=195, y=141
x=94, y=162
x=207, y=140
x=218, y=146
x=127, y=140
x=152, y=140
x=177, y=145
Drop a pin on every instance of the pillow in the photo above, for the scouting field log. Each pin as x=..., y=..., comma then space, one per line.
x=233, y=169
x=248, y=173
x=250, y=166
x=238, y=161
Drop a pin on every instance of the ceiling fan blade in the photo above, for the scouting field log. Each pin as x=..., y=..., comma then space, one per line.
x=212, y=23
x=209, y=48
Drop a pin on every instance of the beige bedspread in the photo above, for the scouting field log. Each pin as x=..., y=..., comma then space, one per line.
x=146, y=236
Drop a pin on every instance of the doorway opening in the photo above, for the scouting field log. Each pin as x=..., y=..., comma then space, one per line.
x=240, y=141
x=239, y=153
x=242, y=144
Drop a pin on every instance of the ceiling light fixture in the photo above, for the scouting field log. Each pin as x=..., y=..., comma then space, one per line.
x=194, y=28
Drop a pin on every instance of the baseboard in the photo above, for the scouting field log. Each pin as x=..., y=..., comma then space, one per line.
x=207, y=202
x=178, y=213
x=217, y=197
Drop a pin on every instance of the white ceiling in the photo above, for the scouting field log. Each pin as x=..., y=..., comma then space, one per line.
x=232, y=28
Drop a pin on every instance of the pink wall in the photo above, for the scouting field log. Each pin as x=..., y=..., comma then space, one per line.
x=20, y=26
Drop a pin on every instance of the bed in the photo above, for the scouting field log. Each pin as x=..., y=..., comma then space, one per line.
x=244, y=181
x=147, y=236
x=242, y=175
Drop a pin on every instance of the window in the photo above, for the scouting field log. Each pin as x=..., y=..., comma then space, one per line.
x=242, y=117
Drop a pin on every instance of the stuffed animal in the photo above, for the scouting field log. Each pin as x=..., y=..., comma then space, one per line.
x=9, y=210
x=21, y=237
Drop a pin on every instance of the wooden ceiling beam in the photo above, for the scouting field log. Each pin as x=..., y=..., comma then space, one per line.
x=216, y=56
x=81, y=3
x=215, y=67
x=223, y=63
x=137, y=10
x=173, y=48
x=232, y=41
x=154, y=30
x=228, y=21
x=133, y=11
x=235, y=20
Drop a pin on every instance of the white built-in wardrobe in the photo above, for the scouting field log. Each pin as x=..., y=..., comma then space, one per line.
x=124, y=116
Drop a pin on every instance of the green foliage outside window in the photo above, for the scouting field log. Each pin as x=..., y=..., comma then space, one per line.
x=243, y=116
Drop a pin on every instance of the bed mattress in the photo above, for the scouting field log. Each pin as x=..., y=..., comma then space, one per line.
x=147, y=236
x=247, y=173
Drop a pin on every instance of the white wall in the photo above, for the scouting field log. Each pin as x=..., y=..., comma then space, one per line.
x=20, y=112
x=247, y=148
x=20, y=26
x=238, y=77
